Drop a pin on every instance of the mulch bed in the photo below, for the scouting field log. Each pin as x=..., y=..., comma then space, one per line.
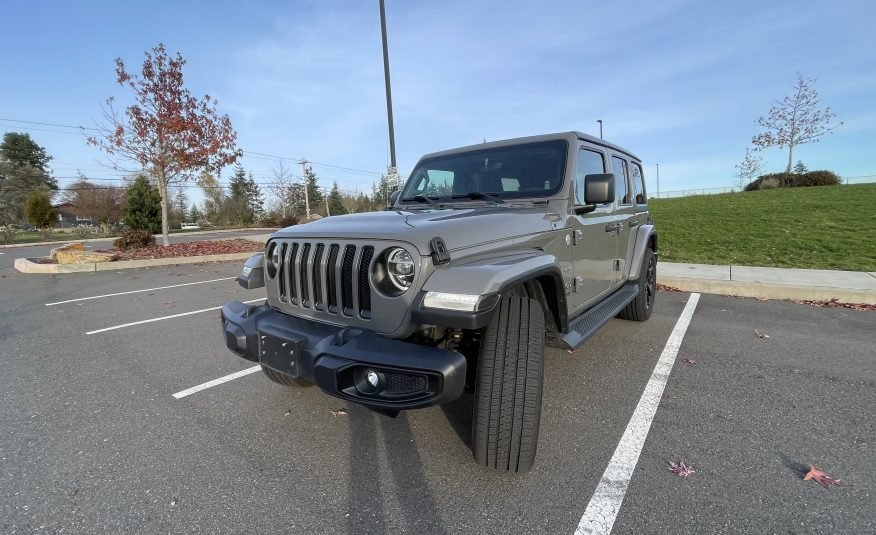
x=193, y=248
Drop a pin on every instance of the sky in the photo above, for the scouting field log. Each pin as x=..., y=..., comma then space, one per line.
x=678, y=83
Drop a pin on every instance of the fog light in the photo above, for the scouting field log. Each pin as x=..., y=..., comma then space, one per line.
x=372, y=378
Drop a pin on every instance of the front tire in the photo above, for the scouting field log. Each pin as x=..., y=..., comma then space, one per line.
x=508, y=391
x=640, y=308
x=285, y=380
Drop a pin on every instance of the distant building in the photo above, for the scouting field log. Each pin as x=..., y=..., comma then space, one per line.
x=69, y=215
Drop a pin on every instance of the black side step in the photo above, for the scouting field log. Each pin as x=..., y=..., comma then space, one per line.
x=586, y=325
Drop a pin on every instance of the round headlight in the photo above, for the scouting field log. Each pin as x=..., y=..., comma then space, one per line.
x=400, y=267
x=273, y=259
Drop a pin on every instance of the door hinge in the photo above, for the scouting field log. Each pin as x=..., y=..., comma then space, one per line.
x=618, y=264
x=577, y=284
x=577, y=237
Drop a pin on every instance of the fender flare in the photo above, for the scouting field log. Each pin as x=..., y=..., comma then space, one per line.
x=645, y=235
x=493, y=276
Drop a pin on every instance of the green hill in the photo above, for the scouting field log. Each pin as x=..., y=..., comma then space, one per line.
x=829, y=227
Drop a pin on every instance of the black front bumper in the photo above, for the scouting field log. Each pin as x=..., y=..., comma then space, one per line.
x=338, y=359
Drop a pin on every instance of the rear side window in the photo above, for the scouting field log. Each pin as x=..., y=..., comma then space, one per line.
x=590, y=162
x=638, y=184
x=619, y=168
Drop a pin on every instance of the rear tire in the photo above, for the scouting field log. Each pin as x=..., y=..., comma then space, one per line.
x=508, y=391
x=640, y=308
x=285, y=380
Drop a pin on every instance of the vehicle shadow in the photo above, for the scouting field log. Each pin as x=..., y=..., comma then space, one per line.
x=411, y=490
x=459, y=415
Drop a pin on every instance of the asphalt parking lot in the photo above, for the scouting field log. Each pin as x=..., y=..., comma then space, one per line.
x=94, y=441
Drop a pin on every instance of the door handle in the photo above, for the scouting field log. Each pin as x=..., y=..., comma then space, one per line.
x=612, y=228
x=633, y=223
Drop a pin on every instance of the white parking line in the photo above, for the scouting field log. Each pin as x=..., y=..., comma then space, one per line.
x=214, y=382
x=602, y=510
x=141, y=322
x=137, y=291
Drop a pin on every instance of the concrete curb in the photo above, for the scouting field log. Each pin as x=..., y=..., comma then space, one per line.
x=24, y=265
x=769, y=291
x=157, y=236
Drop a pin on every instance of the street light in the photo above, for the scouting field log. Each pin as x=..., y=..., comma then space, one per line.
x=388, y=90
x=597, y=120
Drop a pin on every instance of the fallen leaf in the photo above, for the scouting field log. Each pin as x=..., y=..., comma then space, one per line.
x=835, y=303
x=764, y=336
x=287, y=413
x=339, y=412
x=665, y=288
x=820, y=477
x=135, y=277
x=690, y=362
x=680, y=469
x=762, y=299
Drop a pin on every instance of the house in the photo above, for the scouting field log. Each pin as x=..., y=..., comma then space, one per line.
x=69, y=216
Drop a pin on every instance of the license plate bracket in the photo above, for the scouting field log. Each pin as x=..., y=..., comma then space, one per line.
x=280, y=353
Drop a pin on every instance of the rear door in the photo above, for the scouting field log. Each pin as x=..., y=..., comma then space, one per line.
x=594, y=248
x=624, y=213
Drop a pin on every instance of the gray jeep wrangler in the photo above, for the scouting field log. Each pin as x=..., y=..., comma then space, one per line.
x=488, y=253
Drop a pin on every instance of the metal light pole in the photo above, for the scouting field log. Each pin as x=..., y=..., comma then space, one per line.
x=600, y=125
x=658, y=180
x=392, y=169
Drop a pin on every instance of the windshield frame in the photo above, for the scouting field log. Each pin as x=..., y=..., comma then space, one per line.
x=408, y=192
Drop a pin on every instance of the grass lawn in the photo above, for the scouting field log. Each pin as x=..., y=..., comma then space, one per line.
x=829, y=227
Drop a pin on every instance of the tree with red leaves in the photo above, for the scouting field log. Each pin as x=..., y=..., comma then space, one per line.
x=167, y=131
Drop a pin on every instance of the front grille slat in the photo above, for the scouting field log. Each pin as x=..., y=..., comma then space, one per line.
x=291, y=278
x=316, y=280
x=302, y=270
x=347, y=280
x=364, y=285
x=331, y=270
x=283, y=272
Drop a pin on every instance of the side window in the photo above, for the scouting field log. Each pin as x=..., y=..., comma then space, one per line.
x=638, y=184
x=590, y=162
x=619, y=168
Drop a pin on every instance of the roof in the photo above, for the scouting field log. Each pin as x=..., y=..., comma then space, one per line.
x=568, y=136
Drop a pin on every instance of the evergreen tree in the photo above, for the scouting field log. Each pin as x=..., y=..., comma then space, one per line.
x=314, y=194
x=144, y=206
x=238, y=205
x=180, y=205
x=23, y=168
x=335, y=201
x=254, y=201
x=799, y=168
x=195, y=214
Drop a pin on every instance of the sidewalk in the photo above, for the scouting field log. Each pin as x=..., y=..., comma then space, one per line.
x=771, y=283
x=111, y=238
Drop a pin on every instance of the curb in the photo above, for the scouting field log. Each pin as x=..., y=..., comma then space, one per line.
x=157, y=236
x=770, y=291
x=26, y=266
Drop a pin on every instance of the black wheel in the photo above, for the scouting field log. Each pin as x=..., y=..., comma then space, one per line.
x=640, y=308
x=508, y=391
x=281, y=379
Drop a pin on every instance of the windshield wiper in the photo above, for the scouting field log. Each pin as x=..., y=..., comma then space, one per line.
x=421, y=198
x=480, y=196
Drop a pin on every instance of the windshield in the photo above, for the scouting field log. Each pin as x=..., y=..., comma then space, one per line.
x=527, y=170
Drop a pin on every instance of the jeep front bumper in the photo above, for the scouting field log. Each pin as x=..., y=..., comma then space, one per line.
x=345, y=362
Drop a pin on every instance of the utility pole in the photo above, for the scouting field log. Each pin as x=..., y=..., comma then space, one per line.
x=392, y=172
x=600, y=127
x=304, y=163
x=327, y=212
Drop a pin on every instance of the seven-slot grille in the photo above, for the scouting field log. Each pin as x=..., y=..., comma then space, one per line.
x=327, y=277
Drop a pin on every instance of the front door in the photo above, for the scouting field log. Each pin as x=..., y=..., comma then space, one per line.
x=594, y=246
x=624, y=214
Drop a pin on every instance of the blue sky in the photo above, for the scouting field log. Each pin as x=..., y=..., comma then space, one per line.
x=679, y=83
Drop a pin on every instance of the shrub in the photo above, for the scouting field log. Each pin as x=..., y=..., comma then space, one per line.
x=288, y=221
x=39, y=210
x=135, y=239
x=85, y=231
x=144, y=206
x=794, y=180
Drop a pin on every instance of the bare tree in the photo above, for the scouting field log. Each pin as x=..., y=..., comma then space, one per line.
x=795, y=120
x=282, y=186
x=748, y=169
x=167, y=131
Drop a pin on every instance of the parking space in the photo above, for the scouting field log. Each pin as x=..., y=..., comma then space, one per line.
x=95, y=441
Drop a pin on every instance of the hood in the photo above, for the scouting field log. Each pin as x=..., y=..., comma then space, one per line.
x=459, y=228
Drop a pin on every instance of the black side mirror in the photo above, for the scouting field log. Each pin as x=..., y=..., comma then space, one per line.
x=598, y=189
x=393, y=197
